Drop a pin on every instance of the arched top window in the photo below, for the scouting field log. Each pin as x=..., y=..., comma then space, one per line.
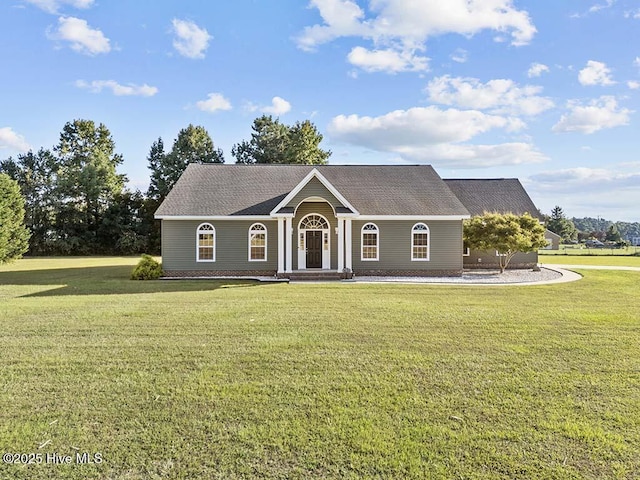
x=369, y=242
x=420, y=242
x=206, y=243
x=257, y=243
x=314, y=222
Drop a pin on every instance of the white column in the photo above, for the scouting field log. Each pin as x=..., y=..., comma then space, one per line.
x=348, y=261
x=287, y=235
x=340, y=244
x=281, y=245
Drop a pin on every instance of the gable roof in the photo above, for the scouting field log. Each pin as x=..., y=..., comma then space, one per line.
x=238, y=190
x=502, y=195
x=315, y=174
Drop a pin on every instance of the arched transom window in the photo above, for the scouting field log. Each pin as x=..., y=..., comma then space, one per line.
x=420, y=242
x=257, y=243
x=314, y=222
x=370, y=241
x=206, y=240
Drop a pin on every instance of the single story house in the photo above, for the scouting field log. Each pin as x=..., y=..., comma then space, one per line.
x=295, y=220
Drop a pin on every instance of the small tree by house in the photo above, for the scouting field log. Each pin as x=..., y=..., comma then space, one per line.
x=507, y=234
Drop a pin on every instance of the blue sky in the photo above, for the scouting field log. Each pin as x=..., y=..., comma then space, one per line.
x=546, y=91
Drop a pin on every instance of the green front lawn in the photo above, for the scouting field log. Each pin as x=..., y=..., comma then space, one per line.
x=206, y=379
x=596, y=260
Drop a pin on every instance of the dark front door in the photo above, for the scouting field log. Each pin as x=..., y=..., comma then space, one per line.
x=314, y=249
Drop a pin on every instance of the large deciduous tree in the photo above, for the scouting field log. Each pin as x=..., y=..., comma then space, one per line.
x=274, y=142
x=87, y=183
x=193, y=145
x=507, y=233
x=14, y=236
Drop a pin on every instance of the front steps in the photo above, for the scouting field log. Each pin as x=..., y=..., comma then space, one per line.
x=315, y=276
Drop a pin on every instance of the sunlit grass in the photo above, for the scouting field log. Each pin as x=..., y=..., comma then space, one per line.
x=205, y=379
x=599, y=260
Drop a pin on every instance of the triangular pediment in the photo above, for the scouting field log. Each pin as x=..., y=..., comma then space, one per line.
x=314, y=187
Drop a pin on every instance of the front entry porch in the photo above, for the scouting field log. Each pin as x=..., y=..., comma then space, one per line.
x=318, y=242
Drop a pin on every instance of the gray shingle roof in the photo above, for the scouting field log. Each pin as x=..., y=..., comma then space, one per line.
x=214, y=189
x=503, y=195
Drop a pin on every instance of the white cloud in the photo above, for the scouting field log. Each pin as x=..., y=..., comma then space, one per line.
x=632, y=14
x=595, y=73
x=342, y=18
x=413, y=22
x=403, y=26
x=583, y=179
x=460, y=55
x=96, y=86
x=52, y=6
x=597, y=115
x=387, y=60
x=279, y=106
x=498, y=96
x=537, y=69
x=213, y=103
x=633, y=84
x=429, y=134
x=12, y=140
x=190, y=40
x=636, y=62
x=595, y=8
x=83, y=39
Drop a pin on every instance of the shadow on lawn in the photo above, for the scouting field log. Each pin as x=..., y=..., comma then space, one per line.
x=107, y=280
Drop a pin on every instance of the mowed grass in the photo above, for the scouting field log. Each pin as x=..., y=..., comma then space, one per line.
x=595, y=260
x=206, y=379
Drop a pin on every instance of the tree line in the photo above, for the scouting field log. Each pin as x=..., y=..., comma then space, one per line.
x=587, y=228
x=74, y=201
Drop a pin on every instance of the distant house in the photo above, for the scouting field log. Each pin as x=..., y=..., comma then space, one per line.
x=296, y=220
x=553, y=240
x=501, y=195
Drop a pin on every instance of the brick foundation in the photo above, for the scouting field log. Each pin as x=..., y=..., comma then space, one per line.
x=408, y=273
x=218, y=273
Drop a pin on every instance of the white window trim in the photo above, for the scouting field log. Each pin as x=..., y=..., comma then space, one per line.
x=428, y=232
x=498, y=254
x=362, y=233
x=215, y=242
x=266, y=240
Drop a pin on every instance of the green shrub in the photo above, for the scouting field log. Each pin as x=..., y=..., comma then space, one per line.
x=147, y=269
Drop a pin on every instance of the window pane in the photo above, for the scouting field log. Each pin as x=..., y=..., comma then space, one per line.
x=421, y=239
x=369, y=252
x=258, y=239
x=206, y=240
x=258, y=253
x=205, y=253
x=419, y=252
x=369, y=239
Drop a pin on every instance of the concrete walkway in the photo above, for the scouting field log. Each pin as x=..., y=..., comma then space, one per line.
x=528, y=278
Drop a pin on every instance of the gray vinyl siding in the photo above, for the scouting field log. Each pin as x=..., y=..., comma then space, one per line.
x=445, y=241
x=326, y=211
x=314, y=189
x=231, y=249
